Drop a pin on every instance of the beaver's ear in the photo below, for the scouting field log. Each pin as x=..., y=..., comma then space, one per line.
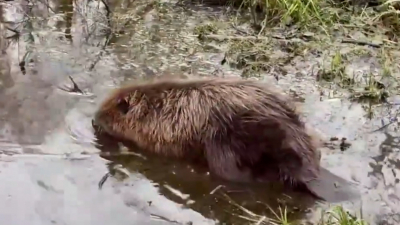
x=127, y=99
x=123, y=105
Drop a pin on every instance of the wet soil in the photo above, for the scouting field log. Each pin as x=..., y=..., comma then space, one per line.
x=50, y=163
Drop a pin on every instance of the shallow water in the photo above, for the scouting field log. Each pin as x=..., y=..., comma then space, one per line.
x=50, y=164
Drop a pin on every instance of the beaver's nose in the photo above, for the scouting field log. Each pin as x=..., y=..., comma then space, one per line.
x=96, y=120
x=94, y=124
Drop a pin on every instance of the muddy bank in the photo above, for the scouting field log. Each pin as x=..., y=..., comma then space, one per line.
x=49, y=160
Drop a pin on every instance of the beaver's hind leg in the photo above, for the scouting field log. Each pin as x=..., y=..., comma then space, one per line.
x=228, y=162
x=225, y=163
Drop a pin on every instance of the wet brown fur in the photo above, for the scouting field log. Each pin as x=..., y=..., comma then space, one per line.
x=244, y=130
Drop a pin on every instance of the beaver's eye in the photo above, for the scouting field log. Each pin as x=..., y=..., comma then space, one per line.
x=123, y=106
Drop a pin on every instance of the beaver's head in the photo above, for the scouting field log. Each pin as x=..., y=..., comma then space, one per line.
x=129, y=108
x=118, y=113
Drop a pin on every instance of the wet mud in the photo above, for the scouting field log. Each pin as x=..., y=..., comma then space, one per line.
x=52, y=163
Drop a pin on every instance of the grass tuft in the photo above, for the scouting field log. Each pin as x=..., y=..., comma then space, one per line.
x=336, y=215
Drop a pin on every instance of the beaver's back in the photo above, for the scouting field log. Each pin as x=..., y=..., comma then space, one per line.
x=179, y=110
x=184, y=110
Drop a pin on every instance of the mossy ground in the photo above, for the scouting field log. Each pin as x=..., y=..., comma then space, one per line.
x=339, y=33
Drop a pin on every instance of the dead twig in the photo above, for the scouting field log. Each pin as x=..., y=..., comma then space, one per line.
x=103, y=180
x=75, y=87
x=226, y=37
x=362, y=43
x=116, y=168
x=106, y=43
x=108, y=12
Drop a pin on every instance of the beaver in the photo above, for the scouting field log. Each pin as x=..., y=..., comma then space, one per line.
x=244, y=131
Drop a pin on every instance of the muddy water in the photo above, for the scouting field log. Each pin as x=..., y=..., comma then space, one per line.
x=51, y=165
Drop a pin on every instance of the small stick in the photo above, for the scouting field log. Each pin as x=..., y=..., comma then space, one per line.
x=75, y=88
x=158, y=217
x=216, y=189
x=108, y=39
x=363, y=43
x=103, y=180
x=108, y=12
x=226, y=37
